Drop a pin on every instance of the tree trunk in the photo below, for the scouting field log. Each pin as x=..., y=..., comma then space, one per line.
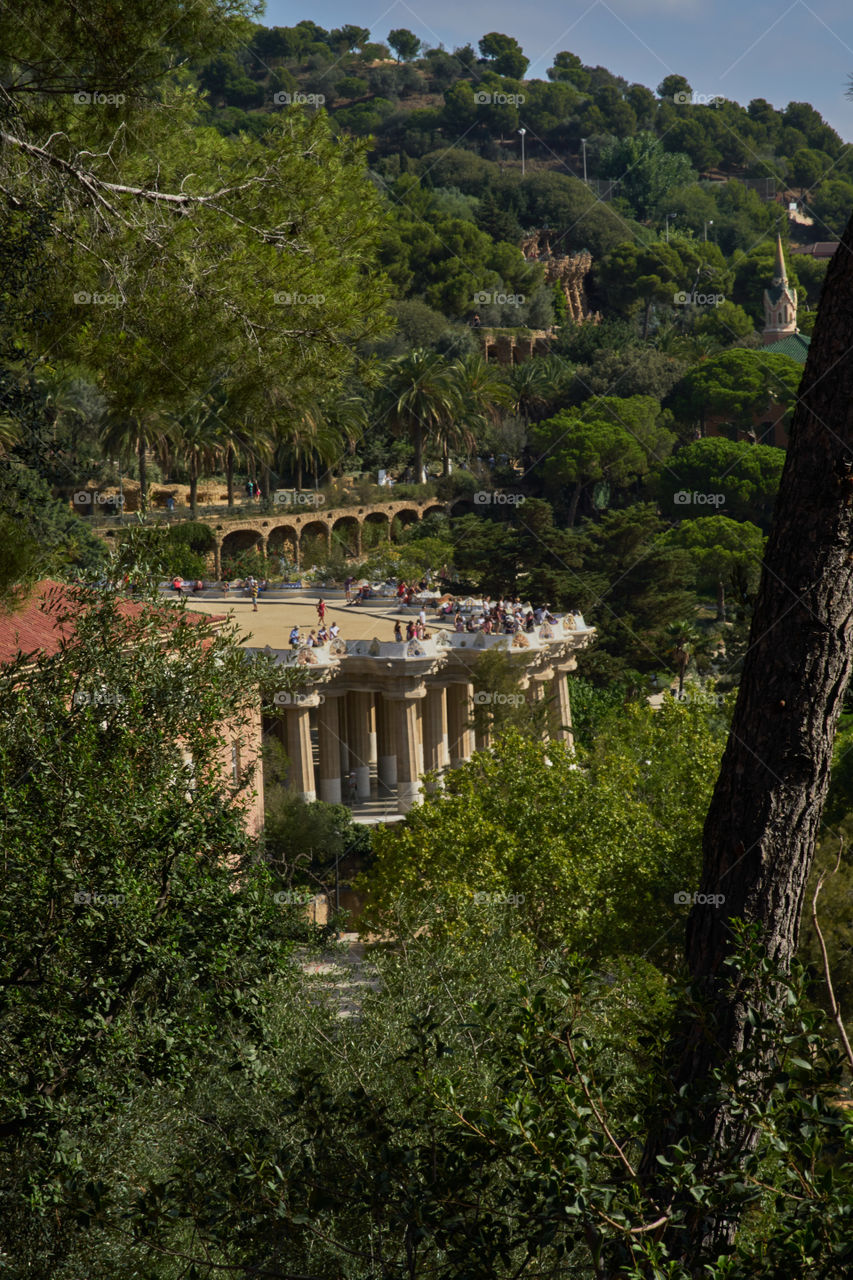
x=141, y=451
x=763, y=820
x=721, y=601
x=229, y=474
x=573, y=505
x=419, y=454
x=193, y=489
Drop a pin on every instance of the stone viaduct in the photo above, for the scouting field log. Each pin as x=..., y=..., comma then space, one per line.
x=289, y=533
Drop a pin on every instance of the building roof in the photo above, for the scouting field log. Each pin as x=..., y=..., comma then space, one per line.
x=796, y=346
x=33, y=628
x=820, y=248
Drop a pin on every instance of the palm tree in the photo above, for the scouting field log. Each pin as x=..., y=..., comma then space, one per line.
x=537, y=384
x=685, y=640
x=132, y=430
x=312, y=440
x=198, y=439
x=418, y=397
x=481, y=392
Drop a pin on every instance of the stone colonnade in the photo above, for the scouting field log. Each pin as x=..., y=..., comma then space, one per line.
x=403, y=731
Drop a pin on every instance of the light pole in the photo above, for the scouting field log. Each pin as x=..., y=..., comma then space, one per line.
x=522, y=132
x=709, y=222
x=668, y=216
x=583, y=145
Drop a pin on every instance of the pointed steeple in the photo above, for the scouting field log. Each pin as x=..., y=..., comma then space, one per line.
x=780, y=275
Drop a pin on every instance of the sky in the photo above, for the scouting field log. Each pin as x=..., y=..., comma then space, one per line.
x=783, y=52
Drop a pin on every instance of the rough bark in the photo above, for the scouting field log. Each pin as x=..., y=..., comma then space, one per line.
x=763, y=821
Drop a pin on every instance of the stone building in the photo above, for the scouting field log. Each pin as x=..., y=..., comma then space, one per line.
x=377, y=716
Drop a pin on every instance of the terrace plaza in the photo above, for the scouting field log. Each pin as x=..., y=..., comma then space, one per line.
x=379, y=713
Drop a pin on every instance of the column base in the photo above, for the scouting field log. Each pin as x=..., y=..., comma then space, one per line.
x=330, y=790
x=362, y=781
x=408, y=795
x=387, y=772
x=308, y=796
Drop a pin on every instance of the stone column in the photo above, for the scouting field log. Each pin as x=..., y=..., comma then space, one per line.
x=358, y=740
x=386, y=733
x=301, y=776
x=419, y=725
x=329, y=750
x=371, y=734
x=458, y=722
x=434, y=717
x=405, y=711
x=483, y=738
x=562, y=709
x=217, y=560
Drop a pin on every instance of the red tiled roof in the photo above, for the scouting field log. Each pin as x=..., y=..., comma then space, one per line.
x=33, y=628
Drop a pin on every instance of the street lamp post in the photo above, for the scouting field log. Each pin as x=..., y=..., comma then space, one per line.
x=668, y=216
x=583, y=145
x=522, y=132
x=709, y=222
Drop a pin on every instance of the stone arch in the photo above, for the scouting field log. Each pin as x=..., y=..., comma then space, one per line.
x=237, y=540
x=314, y=541
x=434, y=509
x=376, y=528
x=346, y=536
x=284, y=541
x=401, y=521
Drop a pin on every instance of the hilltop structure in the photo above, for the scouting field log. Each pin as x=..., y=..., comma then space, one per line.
x=781, y=335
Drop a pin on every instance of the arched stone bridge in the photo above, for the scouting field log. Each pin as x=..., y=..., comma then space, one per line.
x=297, y=530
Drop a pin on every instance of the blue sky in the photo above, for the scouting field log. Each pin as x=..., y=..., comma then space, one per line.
x=795, y=52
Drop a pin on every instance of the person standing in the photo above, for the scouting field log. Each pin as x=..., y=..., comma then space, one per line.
x=398, y=633
x=348, y=590
x=321, y=610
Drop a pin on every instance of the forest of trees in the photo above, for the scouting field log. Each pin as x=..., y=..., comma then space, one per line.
x=600, y=1034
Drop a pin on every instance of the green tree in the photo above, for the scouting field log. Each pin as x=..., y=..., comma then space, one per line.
x=418, y=397
x=644, y=170
x=405, y=44
x=610, y=439
x=505, y=54
x=463, y=846
x=727, y=554
x=745, y=476
x=736, y=387
x=130, y=884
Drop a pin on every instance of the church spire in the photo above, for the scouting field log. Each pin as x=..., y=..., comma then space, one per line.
x=780, y=275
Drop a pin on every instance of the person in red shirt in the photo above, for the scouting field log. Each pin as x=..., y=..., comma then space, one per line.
x=321, y=611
